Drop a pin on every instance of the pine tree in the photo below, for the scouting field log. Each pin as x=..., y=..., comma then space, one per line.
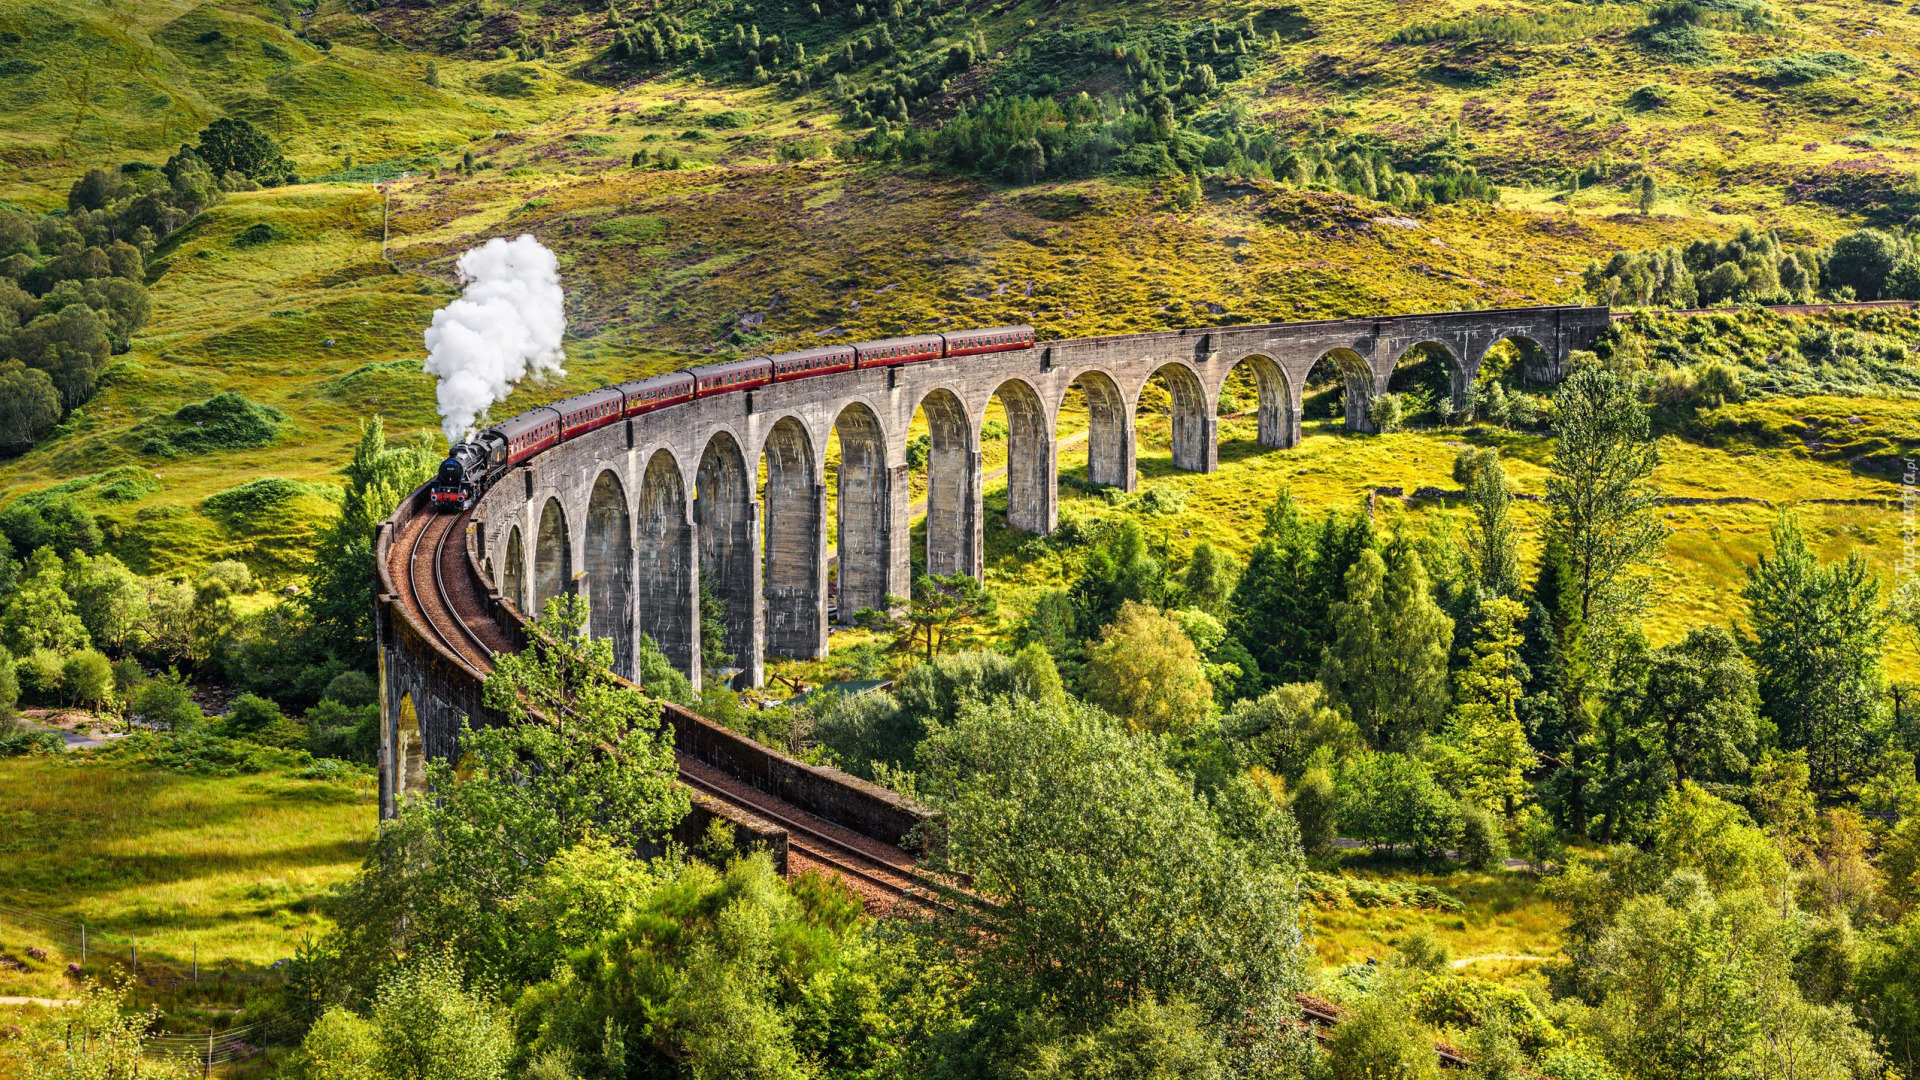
x=1486, y=756
x=1494, y=543
x=338, y=597
x=1388, y=661
x=1604, y=510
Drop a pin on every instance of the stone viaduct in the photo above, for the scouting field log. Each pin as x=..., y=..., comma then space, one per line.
x=635, y=514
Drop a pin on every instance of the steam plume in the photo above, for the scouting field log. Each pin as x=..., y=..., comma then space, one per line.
x=505, y=326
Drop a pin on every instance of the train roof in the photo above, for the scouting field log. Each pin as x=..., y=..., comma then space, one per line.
x=519, y=425
x=591, y=397
x=653, y=381
x=933, y=340
x=1022, y=329
x=809, y=354
x=727, y=367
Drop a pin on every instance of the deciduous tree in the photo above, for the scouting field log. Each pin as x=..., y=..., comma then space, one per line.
x=1146, y=671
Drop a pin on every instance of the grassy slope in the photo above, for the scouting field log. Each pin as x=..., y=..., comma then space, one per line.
x=234, y=864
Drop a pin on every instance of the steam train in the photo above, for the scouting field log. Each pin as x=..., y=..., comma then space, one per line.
x=472, y=466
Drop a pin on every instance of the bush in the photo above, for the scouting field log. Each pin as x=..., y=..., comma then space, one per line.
x=249, y=715
x=18, y=740
x=40, y=675
x=346, y=732
x=225, y=421
x=87, y=678
x=352, y=688
x=164, y=702
x=1314, y=810
x=1386, y=412
x=1381, y=1039
x=1482, y=844
x=9, y=687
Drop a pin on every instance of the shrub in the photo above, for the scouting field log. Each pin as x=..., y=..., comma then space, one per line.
x=249, y=714
x=226, y=421
x=1482, y=845
x=87, y=678
x=1381, y=1039
x=346, y=732
x=1386, y=412
x=40, y=677
x=352, y=688
x=164, y=702
x=9, y=687
x=1315, y=811
x=1807, y=67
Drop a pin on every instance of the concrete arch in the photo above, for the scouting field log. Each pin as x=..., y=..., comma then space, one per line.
x=1278, y=409
x=865, y=511
x=729, y=520
x=1537, y=361
x=513, y=571
x=552, y=556
x=953, y=495
x=665, y=581
x=1359, y=380
x=1031, y=468
x=1110, y=450
x=1193, y=422
x=795, y=543
x=410, y=758
x=609, y=565
x=1459, y=374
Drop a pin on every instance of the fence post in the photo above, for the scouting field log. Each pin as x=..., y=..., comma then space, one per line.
x=83, y=944
x=208, y=1071
x=133, y=953
x=196, y=963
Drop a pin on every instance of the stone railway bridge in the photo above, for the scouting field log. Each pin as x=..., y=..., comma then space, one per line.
x=634, y=514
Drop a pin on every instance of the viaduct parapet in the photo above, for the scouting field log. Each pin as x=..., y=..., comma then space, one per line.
x=633, y=515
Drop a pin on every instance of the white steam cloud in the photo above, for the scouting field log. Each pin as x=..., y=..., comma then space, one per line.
x=505, y=326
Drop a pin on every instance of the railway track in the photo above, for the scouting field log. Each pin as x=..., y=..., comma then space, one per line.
x=439, y=591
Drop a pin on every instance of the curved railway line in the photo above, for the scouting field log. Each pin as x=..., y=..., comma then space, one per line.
x=438, y=590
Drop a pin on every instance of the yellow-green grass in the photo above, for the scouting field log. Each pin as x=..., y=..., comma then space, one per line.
x=232, y=865
x=1505, y=915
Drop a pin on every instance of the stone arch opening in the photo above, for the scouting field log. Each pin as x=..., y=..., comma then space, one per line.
x=1522, y=360
x=863, y=513
x=1508, y=380
x=1030, y=487
x=1175, y=392
x=1431, y=381
x=1093, y=408
x=410, y=752
x=552, y=556
x=666, y=572
x=727, y=517
x=609, y=559
x=513, y=574
x=944, y=468
x=794, y=543
x=1257, y=382
x=1339, y=385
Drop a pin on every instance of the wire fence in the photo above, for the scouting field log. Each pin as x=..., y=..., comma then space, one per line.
x=208, y=1049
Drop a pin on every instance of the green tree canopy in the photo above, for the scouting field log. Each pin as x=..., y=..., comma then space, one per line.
x=1815, y=635
x=1387, y=665
x=1107, y=879
x=1603, y=508
x=233, y=145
